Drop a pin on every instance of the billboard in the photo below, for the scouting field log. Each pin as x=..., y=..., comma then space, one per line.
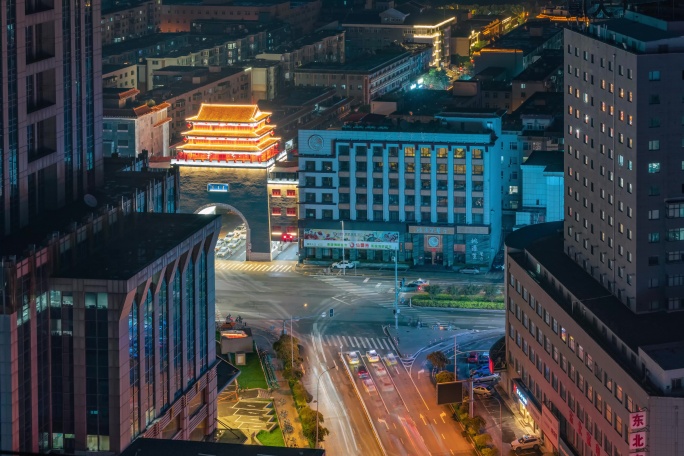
x=362, y=240
x=449, y=393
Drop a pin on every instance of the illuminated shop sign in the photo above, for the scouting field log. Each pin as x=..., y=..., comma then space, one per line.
x=217, y=188
x=362, y=240
x=521, y=396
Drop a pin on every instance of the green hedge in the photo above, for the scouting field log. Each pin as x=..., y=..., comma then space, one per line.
x=448, y=301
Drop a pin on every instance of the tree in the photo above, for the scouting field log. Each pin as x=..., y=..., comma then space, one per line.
x=433, y=291
x=444, y=377
x=438, y=359
x=436, y=79
x=489, y=452
x=308, y=417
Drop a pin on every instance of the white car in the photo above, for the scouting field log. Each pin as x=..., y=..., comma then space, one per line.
x=421, y=282
x=243, y=237
x=372, y=356
x=485, y=378
x=346, y=264
x=482, y=390
x=369, y=385
x=526, y=442
x=353, y=358
x=229, y=235
x=469, y=270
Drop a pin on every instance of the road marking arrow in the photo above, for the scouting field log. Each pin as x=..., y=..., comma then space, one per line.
x=423, y=418
x=442, y=415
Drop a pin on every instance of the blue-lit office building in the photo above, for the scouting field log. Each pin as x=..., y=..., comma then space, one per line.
x=432, y=191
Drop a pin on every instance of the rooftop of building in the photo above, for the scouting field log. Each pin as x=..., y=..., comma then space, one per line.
x=419, y=102
x=541, y=105
x=551, y=160
x=526, y=37
x=367, y=63
x=415, y=16
x=177, y=88
x=113, y=68
x=458, y=121
x=542, y=68
x=225, y=4
x=160, y=447
x=297, y=97
x=545, y=243
x=141, y=238
x=115, y=6
x=229, y=113
x=306, y=40
x=667, y=356
x=142, y=42
x=118, y=184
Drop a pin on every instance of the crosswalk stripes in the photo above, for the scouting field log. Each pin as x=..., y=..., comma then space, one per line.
x=223, y=265
x=365, y=343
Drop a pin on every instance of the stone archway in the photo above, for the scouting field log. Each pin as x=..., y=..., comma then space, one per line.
x=228, y=207
x=246, y=195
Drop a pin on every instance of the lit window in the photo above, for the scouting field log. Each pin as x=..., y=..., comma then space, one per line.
x=275, y=192
x=653, y=168
x=276, y=211
x=291, y=193
x=654, y=75
x=291, y=211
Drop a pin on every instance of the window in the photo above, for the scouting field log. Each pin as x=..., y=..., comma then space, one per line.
x=654, y=168
x=291, y=211
x=291, y=193
x=654, y=237
x=654, y=144
x=275, y=192
x=276, y=211
x=654, y=75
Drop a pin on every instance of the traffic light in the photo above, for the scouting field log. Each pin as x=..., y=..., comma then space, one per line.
x=332, y=312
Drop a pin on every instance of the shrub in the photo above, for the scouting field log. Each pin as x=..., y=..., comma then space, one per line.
x=489, y=452
x=445, y=376
x=445, y=301
x=301, y=395
x=482, y=440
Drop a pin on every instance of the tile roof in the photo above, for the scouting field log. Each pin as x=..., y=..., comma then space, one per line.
x=229, y=113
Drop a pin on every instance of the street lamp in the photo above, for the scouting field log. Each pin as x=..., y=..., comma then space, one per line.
x=344, y=269
x=318, y=383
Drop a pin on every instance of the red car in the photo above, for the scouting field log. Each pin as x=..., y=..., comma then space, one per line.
x=472, y=357
x=362, y=372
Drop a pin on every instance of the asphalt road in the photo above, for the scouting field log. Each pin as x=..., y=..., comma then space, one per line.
x=271, y=296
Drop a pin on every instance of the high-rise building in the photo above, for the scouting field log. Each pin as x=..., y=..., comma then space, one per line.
x=51, y=98
x=623, y=175
x=593, y=330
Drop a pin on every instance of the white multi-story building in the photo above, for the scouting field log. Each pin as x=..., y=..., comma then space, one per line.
x=432, y=191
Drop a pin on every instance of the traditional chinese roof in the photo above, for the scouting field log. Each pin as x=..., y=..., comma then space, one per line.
x=195, y=132
x=229, y=113
x=263, y=145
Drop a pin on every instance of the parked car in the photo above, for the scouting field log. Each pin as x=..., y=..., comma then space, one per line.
x=484, y=377
x=390, y=359
x=346, y=264
x=480, y=370
x=526, y=442
x=469, y=270
x=484, y=358
x=353, y=358
x=472, y=357
x=482, y=390
x=372, y=356
x=362, y=372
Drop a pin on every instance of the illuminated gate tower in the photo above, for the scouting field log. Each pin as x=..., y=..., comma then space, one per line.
x=230, y=136
x=225, y=160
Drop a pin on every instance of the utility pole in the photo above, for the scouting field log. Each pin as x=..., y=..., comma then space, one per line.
x=396, y=294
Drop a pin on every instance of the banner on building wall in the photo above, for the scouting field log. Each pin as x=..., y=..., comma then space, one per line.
x=353, y=239
x=638, y=436
x=550, y=426
x=478, y=250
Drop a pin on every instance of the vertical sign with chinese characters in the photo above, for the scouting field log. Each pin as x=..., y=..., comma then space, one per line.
x=638, y=436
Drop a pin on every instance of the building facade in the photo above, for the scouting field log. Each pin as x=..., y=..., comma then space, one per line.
x=129, y=126
x=433, y=195
x=635, y=196
x=369, y=77
x=51, y=125
x=594, y=342
x=120, y=23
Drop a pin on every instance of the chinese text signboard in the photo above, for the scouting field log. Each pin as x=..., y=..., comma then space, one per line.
x=638, y=436
x=362, y=240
